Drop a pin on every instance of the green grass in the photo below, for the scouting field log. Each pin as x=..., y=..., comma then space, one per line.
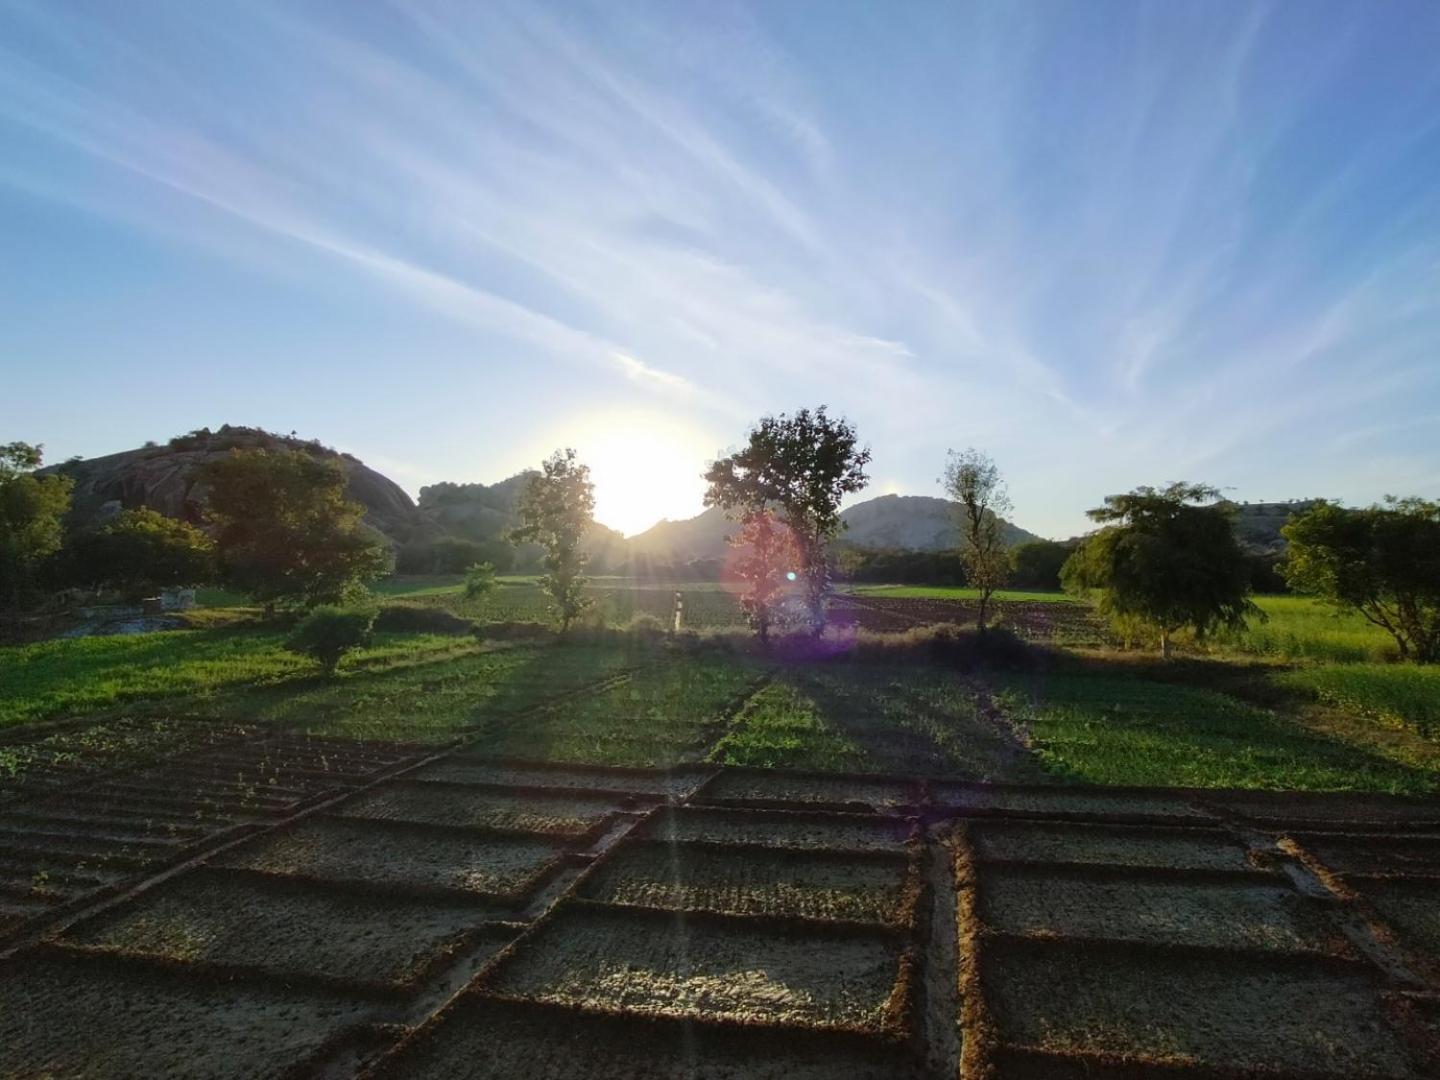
x=615, y=602
x=83, y=675
x=780, y=727
x=1407, y=694
x=951, y=592
x=1115, y=730
x=428, y=702
x=1302, y=628
x=667, y=712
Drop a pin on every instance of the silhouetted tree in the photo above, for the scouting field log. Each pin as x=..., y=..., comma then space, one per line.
x=800, y=466
x=1383, y=562
x=556, y=510
x=286, y=533
x=32, y=510
x=973, y=482
x=1164, y=562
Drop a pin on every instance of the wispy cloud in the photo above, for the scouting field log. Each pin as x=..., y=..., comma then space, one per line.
x=1162, y=240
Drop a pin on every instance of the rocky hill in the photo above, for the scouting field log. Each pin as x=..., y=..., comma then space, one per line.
x=165, y=477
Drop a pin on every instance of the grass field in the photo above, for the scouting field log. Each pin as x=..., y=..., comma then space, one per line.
x=1301, y=628
x=83, y=675
x=1393, y=693
x=1123, y=730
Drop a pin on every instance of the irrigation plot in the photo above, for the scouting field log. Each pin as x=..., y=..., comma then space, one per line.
x=464, y=916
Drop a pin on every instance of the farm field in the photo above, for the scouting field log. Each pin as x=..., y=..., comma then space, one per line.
x=752, y=867
x=737, y=920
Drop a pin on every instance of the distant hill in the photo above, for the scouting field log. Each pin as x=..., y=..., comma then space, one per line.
x=165, y=477
x=904, y=522
x=487, y=512
x=913, y=523
x=1258, y=525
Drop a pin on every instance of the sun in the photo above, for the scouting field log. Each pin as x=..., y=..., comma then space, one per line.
x=644, y=468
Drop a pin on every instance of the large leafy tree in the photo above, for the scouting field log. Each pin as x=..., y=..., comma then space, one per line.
x=141, y=551
x=799, y=466
x=765, y=556
x=1383, y=561
x=973, y=483
x=557, y=511
x=285, y=532
x=32, y=512
x=1165, y=560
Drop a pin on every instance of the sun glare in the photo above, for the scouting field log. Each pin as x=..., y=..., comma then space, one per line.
x=645, y=468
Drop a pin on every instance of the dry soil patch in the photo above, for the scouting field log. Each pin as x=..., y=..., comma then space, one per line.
x=750, y=882
x=707, y=967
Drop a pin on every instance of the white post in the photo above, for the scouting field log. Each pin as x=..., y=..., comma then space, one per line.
x=679, y=611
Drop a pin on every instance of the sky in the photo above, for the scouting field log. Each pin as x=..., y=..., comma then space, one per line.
x=1108, y=243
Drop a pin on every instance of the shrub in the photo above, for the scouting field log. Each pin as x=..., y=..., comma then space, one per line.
x=646, y=626
x=479, y=580
x=327, y=634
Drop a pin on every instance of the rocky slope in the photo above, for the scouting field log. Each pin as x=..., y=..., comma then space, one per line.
x=165, y=477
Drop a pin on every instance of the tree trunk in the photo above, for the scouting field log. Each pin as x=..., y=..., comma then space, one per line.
x=984, y=604
x=1164, y=644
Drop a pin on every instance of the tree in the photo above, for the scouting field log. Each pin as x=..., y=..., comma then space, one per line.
x=556, y=510
x=32, y=512
x=972, y=481
x=767, y=554
x=1036, y=565
x=286, y=533
x=139, y=552
x=479, y=581
x=800, y=466
x=1383, y=562
x=1164, y=562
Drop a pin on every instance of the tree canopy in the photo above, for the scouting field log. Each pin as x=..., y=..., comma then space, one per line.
x=1383, y=561
x=32, y=514
x=284, y=530
x=1163, y=562
x=557, y=511
x=140, y=551
x=801, y=466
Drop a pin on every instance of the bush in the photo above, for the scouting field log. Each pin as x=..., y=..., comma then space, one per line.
x=646, y=626
x=479, y=581
x=327, y=634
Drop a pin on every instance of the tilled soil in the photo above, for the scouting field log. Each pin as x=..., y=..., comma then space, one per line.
x=816, y=885
x=1110, y=845
x=446, y=804
x=335, y=849
x=287, y=928
x=63, y=1016
x=320, y=915
x=1263, y=912
x=714, y=970
x=778, y=828
x=1220, y=1011
x=763, y=787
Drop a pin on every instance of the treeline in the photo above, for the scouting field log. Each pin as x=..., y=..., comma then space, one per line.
x=278, y=528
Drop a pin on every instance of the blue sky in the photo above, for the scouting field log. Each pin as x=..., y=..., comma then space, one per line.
x=1110, y=243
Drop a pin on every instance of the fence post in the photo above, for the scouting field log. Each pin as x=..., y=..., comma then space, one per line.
x=679, y=610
